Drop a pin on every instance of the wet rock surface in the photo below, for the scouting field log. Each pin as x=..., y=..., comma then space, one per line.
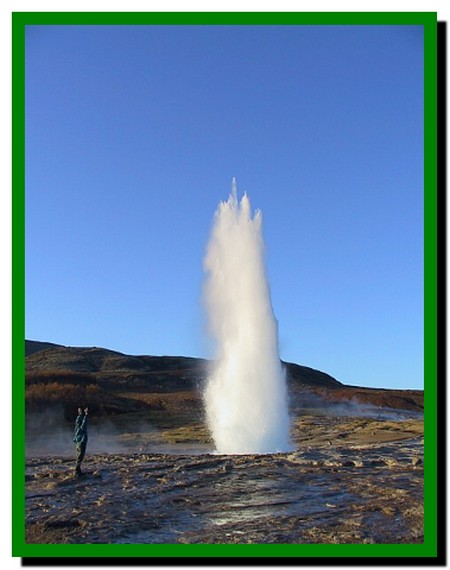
x=349, y=480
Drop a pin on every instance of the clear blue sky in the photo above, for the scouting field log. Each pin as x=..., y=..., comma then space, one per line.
x=133, y=135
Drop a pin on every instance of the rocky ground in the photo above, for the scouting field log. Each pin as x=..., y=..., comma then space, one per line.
x=347, y=480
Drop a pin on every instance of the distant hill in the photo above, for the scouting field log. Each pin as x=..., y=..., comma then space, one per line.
x=32, y=346
x=118, y=382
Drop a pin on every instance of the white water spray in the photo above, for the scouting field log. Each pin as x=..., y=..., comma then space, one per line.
x=245, y=395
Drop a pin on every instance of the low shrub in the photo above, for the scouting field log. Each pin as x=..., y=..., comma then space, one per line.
x=40, y=395
x=61, y=376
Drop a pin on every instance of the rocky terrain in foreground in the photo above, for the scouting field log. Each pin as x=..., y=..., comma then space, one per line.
x=347, y=480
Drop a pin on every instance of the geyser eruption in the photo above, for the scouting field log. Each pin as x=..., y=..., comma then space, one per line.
x=245, y=395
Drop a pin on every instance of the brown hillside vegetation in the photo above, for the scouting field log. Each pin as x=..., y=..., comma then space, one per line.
x=112, y=383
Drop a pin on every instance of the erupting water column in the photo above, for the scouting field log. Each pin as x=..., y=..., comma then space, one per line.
x=245, y=395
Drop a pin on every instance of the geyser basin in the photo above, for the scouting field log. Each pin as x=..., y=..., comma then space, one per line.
x=245, y=395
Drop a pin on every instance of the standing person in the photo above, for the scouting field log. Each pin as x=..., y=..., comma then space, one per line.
x=80, y=438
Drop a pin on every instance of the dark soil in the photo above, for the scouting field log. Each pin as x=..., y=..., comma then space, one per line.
x=351, y=480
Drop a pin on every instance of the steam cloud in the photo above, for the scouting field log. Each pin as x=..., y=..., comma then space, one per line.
x=245, y=395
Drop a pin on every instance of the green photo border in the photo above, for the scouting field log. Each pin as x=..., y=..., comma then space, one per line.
x=426, y=551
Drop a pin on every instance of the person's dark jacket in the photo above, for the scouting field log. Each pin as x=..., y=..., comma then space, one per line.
x=80, y=435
